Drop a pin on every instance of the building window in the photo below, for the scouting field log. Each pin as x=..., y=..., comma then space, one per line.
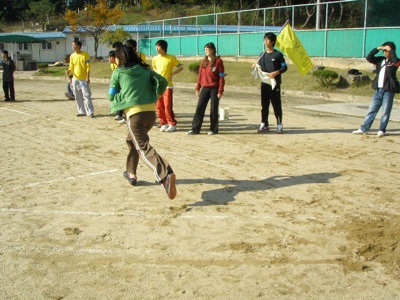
x=80, y=38
x=22, y=46
x=2, y=46
x=47, y=46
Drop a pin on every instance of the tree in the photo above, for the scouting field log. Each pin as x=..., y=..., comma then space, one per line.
x=40, y=12
x=119, y=35
x=94, y=19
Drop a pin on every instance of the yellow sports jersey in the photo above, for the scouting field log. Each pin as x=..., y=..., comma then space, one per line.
x=141, y=55
x=79, y=65
x=164, y=65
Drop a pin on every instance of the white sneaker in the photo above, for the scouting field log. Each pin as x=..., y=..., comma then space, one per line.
x=122, y=121
x=171, y=128
x=381, y=133
x=164, y=128
x=211, y=132
x=279, y=128
x=191, y=132
x=263, y=128
x=359, y=131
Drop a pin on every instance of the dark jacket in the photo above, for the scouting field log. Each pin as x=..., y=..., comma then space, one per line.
x=390, y=71
x=8, y=69
x=270, y=62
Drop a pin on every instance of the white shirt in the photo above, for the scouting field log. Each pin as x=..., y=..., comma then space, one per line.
x=381, y=77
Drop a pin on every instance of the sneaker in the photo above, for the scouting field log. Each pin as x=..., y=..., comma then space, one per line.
x=91, y=115
x=118, y=117
x=279, y=128
x=381, y=133
x=164, y=128
x=132, y=181
x=211, y=132
x=171, y=128
x=359, y=131
x=169, y=185
x=263, y=128
x=191, y=132
x=123, y=121
x=80, y=115
x=69, y=96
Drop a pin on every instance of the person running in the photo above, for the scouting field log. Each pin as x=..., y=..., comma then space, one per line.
x=272, y=62
x=134, y=87
x=9, y=68
x=210, y=85
x=164, y=64
x=79, y=66
x=384, y=86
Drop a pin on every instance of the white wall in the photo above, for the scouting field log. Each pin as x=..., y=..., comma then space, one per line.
x=102, y=50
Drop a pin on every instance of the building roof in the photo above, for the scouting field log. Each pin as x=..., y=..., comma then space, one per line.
x=30, y=37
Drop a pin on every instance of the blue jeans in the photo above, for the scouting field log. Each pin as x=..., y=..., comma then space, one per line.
x=384, y=99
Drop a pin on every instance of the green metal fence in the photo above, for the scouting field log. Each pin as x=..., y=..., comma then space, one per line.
x=240, y=33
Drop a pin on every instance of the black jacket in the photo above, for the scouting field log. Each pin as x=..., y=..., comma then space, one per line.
x=8, y=69
x=390, y=71
x=270, y=62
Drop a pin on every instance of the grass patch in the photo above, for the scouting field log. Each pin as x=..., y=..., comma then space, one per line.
x=238, y=74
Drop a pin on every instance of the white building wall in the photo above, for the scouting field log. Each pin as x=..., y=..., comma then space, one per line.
x=87, y=45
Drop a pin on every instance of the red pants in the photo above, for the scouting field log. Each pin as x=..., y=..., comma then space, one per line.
x=164, y=105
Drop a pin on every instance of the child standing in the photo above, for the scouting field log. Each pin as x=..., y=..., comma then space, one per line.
x=8, y=76
x=164, y=64
x=211, y=81
x=272, y=62
x=79, y=66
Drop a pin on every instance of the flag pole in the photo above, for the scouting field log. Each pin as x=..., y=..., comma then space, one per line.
x=287, y=21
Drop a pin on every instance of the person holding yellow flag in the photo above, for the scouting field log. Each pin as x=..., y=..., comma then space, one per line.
x=273, y=63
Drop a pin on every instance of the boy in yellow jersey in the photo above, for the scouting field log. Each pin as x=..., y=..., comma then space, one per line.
x=79, y=66
x=164, y=65
x=111, y=59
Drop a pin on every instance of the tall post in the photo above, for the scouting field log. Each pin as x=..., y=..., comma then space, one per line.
x=365, y=27
x=317, y=15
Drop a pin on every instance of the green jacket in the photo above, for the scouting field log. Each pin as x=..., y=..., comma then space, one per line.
x=134, y=85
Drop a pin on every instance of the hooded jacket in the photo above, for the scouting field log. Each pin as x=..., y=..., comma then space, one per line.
x=390, y=71
x=134, y=85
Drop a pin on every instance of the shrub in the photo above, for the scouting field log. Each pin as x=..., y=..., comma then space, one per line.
x=194, y=67
x=43, y=68
x=325, y=77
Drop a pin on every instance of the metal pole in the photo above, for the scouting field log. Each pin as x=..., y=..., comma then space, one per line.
x=317, y=16
x=365, y=27
x=326, y=29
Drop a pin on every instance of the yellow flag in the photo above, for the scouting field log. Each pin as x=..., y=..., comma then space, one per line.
x=288, y=43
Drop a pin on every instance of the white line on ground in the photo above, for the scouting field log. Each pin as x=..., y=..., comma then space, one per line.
x=60, y=179
x=60, y=212
x=17, y=111
x=122, y=214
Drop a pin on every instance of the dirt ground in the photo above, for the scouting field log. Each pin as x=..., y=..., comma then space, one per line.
x=313, y=213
